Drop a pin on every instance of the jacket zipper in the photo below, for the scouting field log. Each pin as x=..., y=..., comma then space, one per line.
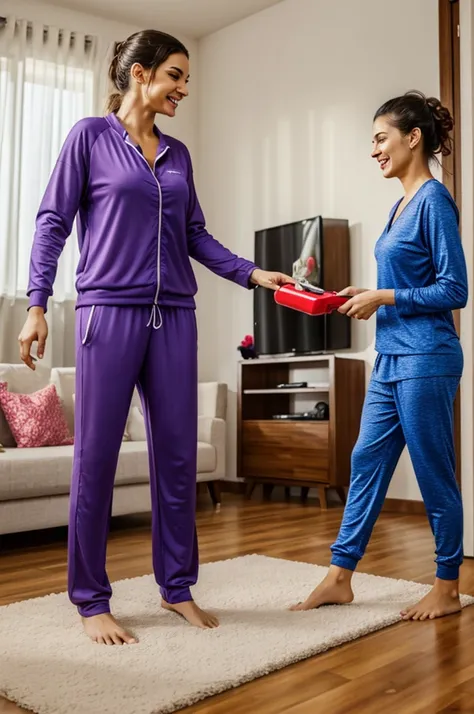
x=160, y=218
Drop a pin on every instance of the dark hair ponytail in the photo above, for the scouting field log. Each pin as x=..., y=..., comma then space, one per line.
x=413, y=110
x=150, y=48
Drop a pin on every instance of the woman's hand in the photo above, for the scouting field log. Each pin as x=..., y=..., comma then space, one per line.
x=267, y=279
x=364, y=303
x=35, y=329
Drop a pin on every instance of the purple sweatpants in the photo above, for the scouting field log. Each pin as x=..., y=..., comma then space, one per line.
x=116, y=350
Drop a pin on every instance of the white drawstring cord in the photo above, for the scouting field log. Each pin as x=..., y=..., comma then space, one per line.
x=155, y=313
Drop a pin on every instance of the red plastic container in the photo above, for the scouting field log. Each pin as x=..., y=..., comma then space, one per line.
x=308, y=302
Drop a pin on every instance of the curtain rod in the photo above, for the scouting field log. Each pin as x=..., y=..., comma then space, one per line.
x=88, y=38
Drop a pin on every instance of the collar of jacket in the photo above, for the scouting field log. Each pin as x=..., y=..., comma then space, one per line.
x=120, y=129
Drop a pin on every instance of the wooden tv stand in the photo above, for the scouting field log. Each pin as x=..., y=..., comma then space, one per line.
x=298, y=453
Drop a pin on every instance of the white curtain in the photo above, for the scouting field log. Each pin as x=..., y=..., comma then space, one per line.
x=49, y=79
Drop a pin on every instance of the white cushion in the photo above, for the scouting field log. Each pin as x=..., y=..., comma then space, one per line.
x=64, y=380
x=23, y=380
x=206, y=458
x=46, y=471
x=212, y=399
x=136, y=425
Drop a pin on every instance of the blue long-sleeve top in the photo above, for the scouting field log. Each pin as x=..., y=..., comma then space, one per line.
x=420, y=256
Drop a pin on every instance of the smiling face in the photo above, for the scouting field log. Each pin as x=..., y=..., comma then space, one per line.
x=167, y=87
x=393, y=150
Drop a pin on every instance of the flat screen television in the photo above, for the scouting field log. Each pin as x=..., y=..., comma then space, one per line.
x=323, y=245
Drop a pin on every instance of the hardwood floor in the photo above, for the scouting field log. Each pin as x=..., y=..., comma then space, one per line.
x=410, y=668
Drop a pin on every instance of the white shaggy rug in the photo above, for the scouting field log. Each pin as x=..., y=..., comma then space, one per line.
x=47, y=664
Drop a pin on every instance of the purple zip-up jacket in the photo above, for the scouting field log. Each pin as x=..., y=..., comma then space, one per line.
x=137, y=228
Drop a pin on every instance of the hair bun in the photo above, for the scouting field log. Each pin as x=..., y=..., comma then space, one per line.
x=444, y=125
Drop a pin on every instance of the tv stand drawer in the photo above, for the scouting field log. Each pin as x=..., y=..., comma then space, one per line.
x=289, y=449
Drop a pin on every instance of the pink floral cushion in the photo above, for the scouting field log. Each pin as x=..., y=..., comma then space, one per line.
x=35, y=419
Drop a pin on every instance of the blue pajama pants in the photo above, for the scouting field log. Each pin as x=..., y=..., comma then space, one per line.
x=417, y=413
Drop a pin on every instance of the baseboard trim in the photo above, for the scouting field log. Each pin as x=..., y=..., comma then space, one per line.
x=391, y=505
x=401, y=505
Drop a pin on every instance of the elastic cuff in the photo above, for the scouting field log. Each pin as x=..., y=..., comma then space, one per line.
x=344, y=561
x=447, y=572
x=38, y=298
x=244, y=279
x=174, y=596
x=403, y=301
x=100, y=608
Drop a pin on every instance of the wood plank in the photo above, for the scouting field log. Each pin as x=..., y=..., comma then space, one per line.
x=446, y=80
x=286, y=450
x=345, y=412
x=450, y=96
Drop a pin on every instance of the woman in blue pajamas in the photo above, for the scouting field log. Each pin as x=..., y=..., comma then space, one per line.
x=421, y=279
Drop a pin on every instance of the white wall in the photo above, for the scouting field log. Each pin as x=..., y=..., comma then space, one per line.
x=285, y=117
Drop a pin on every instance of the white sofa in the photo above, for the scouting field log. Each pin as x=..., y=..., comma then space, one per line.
x=34, y=482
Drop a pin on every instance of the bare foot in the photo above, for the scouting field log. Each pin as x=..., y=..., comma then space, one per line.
x=105, y=630
x=335, y=589
x=192, y=613
x=442, y=600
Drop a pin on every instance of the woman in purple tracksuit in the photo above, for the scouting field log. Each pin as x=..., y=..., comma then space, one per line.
x=139, y=222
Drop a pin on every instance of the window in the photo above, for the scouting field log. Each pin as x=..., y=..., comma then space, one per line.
x=40, y=100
